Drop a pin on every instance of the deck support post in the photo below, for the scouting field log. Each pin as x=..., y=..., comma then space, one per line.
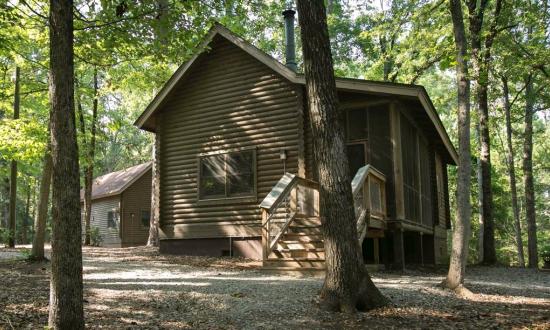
x=265, y=236
x=422, y=248
x=376, y=249
x=398, y=249
x=395, y=131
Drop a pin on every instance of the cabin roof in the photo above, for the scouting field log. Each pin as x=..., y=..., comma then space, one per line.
x=114, y=183
x=146, y=122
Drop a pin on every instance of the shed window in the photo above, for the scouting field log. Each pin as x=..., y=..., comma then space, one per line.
x=112, y=219
x=227, y=175
x=146, y=218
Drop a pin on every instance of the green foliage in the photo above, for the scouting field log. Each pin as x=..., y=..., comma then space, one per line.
x=95, y=237
x=5, y=235
x=22, y=140
x=136, y=46
x=545, y=252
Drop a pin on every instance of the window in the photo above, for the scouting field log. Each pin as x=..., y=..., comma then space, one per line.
x=112, y=219
x=227, y=175
x=145, y=218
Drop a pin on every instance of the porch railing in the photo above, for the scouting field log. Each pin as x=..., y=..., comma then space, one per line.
x=369, y=197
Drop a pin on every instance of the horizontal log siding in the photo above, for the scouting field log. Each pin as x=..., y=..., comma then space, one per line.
x=135, y=199
x=100, y=208
x=228, y=101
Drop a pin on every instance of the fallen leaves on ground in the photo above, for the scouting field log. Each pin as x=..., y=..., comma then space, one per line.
x=136, y=288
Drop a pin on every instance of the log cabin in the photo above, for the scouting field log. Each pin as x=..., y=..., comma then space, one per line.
x=235, y=168
x=121, y=206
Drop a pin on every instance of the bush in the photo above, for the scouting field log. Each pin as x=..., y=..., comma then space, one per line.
x=545, y=252
x=95, y=237
x=4, y=235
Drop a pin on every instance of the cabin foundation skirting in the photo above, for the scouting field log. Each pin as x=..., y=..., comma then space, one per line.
x=248, y=247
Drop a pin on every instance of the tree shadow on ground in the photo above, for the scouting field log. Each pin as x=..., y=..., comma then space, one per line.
x=173, y=295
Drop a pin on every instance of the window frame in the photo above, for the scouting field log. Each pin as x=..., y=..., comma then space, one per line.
x=141, y=218
x=116, y=218
x=247, y=197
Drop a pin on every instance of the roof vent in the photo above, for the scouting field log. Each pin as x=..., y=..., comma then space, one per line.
x=289, y=38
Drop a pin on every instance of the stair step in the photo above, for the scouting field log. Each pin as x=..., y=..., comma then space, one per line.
x=296, y=245
x=304, y=230
x=307, y=254
x=302, y=249
x=306, y=222
x=293, y=271
x=295, y=262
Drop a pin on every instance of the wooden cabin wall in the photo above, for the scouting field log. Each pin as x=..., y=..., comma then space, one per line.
x=311, y=168
x=380, y=149
x=100, y=208
x=227, y=101
x=135, y=199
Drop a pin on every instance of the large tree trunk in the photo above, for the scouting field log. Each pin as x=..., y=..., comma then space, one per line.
x=13, y=171
x=65, y=310
x=37, y=252
x=348, y=286
x=461, y=232
x=512, y=172
x=528, y=177
x=153, y=239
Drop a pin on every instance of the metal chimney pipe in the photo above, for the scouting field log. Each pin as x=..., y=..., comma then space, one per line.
x=289, y=38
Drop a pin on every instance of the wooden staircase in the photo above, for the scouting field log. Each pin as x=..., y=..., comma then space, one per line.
x=292, y=239
x=300, y=247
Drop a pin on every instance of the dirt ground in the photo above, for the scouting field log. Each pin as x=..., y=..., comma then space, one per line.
x=135, y=288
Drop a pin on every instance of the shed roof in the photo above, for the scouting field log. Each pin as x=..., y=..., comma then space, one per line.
x=146, y=121
x=114, y=183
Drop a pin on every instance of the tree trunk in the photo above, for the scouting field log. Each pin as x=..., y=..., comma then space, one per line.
x=37, y=252
x=512, y=172
x=6, y=204
x=65, y=310
x=13, y=172
x=348, y=286
x=489, y=253
x=481, y=62
x=90, y=158
x=153, y=239
x=528, y=177
x=461, y=232
x=27, y=216
x=480, y=206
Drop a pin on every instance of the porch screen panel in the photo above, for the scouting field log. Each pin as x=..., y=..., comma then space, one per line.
x=410, y=170
x=440, y=190
x=425, y=185
x=380, y=149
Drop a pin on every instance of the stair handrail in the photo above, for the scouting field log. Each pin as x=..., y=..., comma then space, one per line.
x=278, y=194
x=360, y=183
x=286, y=189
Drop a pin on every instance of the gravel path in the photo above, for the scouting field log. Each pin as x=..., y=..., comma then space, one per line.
x=136, y=288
